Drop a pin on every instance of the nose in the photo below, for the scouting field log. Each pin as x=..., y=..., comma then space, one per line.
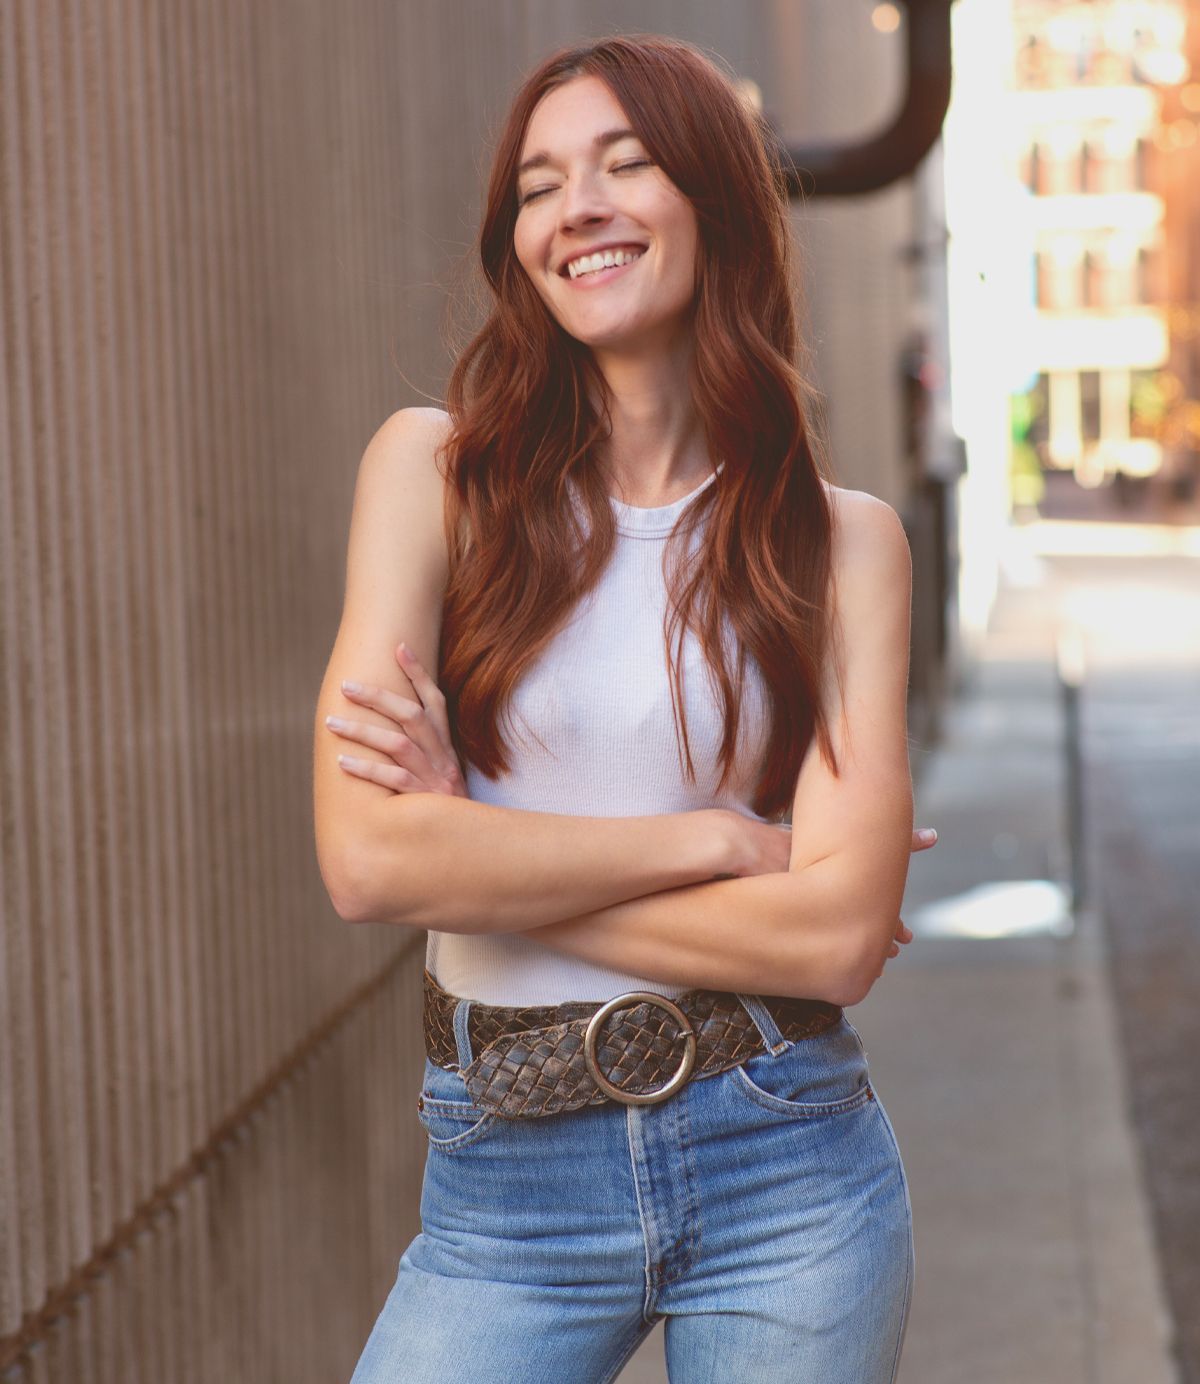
x=583, y=202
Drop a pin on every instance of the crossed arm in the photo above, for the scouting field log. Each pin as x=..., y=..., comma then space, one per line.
x=796, y=940
x=821, y=921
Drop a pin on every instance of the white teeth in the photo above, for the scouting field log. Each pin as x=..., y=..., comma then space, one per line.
x=606, y=259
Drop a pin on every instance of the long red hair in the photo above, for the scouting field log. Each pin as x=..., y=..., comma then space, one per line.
x=523, y=426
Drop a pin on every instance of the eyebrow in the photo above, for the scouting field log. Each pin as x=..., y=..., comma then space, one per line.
x=602, y=141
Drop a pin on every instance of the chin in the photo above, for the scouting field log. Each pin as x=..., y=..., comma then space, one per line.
x=619, y=334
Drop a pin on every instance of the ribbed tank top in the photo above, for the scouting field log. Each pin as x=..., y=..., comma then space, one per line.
x=592, y=733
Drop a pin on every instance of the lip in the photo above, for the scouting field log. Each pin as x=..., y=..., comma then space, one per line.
x=600, y=276
x=599, y=250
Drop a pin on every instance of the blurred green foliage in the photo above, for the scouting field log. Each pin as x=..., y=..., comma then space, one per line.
x=1027, y=484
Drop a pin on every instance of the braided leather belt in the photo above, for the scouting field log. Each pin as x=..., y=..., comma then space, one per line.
x=534, y=1060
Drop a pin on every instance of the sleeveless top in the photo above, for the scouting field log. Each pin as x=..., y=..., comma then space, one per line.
x=592, y=733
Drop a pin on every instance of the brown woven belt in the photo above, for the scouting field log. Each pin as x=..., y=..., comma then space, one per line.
x=539, y=1059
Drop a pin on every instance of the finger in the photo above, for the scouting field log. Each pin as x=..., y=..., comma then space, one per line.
x=390, y=776
x=429, y=692
x=393, y=743
x=923, y=838
x=893, y=950
x=409, y=715
x=434, y=702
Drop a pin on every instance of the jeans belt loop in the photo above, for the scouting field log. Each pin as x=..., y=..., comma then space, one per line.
x=765, y=1023
x=462, y=1034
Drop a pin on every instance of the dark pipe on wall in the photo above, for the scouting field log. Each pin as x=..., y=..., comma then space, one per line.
x=843, y=170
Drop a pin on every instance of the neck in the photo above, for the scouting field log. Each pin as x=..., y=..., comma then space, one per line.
x=655, y=449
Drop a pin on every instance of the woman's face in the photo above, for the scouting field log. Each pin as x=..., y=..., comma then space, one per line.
x=588, y=196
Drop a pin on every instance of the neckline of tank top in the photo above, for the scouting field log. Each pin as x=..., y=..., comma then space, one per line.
x=653, y=522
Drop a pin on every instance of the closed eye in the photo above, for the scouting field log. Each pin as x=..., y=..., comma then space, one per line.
x=617, y=168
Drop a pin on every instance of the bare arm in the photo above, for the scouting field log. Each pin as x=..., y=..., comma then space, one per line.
x=774, y=934
x=455, y=865
x=823, y=928
x=584, y=884
x=446, y=862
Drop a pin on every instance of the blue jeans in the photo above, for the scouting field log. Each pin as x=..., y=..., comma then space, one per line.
x=762, y=1211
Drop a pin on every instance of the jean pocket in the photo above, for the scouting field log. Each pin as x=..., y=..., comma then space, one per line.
x=450, y=1118
x=812, y=1077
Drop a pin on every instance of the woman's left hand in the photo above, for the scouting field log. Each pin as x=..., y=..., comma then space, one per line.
x=422, y=751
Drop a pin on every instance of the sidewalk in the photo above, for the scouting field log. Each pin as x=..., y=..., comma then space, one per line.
x=997, y=1059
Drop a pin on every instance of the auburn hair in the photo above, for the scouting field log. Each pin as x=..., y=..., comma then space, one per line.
x=523, y=426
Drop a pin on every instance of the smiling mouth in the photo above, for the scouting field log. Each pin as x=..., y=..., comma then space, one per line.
x=602, y=276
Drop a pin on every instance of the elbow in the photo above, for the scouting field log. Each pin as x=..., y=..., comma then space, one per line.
x=835, y=973
x=368, y=896
x=863, y=966
x=352, y=877
x=852, y=989
x=370, y=867
x=834, y=959
x=343, y=884
x=847, y=985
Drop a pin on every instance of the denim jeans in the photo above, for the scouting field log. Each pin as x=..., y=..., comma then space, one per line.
x=763, y=1212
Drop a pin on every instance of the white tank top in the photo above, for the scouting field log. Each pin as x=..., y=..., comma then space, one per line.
x=598, y=700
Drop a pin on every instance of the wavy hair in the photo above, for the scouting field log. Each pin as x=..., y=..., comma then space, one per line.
x=523, y=426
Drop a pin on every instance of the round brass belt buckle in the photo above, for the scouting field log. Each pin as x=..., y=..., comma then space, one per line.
x=627, y=1001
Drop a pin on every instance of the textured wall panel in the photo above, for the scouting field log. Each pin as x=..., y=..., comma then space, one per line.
x=832, y=77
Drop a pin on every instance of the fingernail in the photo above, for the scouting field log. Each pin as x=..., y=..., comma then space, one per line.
x=927, y=834
x=351, y=687
x=335, y=722
x=405, y=652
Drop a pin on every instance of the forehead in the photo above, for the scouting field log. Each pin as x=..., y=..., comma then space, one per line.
x=570, y=117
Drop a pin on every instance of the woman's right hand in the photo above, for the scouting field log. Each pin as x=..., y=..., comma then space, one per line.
x=753, y=847
x=765, y=848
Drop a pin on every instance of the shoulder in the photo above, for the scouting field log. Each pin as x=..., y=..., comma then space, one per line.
x=869, y=545
x=402, y=474
x=408, y=440
x=870, y=590
x=857, y=513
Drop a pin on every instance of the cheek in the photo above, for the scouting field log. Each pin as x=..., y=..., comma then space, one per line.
x=529, y=244
x=683, y=262
x=680, y=224
x=522, y=251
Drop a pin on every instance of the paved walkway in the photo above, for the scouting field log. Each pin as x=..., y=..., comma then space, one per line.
x=1139, y=615
x=993, y=1046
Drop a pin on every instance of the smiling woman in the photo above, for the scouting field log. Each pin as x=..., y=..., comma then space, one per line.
x=586, y=193
x=646, y=630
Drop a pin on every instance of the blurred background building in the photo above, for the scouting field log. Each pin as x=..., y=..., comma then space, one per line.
x=232, y=241
x=1104, y=129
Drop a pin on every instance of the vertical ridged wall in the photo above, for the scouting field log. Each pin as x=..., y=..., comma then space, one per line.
x=833, y=78
x=227, y=233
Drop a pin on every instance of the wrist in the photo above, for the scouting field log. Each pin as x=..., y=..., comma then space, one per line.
x=727, y=856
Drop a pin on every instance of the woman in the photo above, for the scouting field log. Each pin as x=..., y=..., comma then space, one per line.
x=632, y=560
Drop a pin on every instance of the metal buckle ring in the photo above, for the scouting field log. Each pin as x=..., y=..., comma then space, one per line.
x=627, y=1001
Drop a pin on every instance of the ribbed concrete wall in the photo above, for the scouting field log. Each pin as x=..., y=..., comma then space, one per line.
x=832, y=77
x=227, y=232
